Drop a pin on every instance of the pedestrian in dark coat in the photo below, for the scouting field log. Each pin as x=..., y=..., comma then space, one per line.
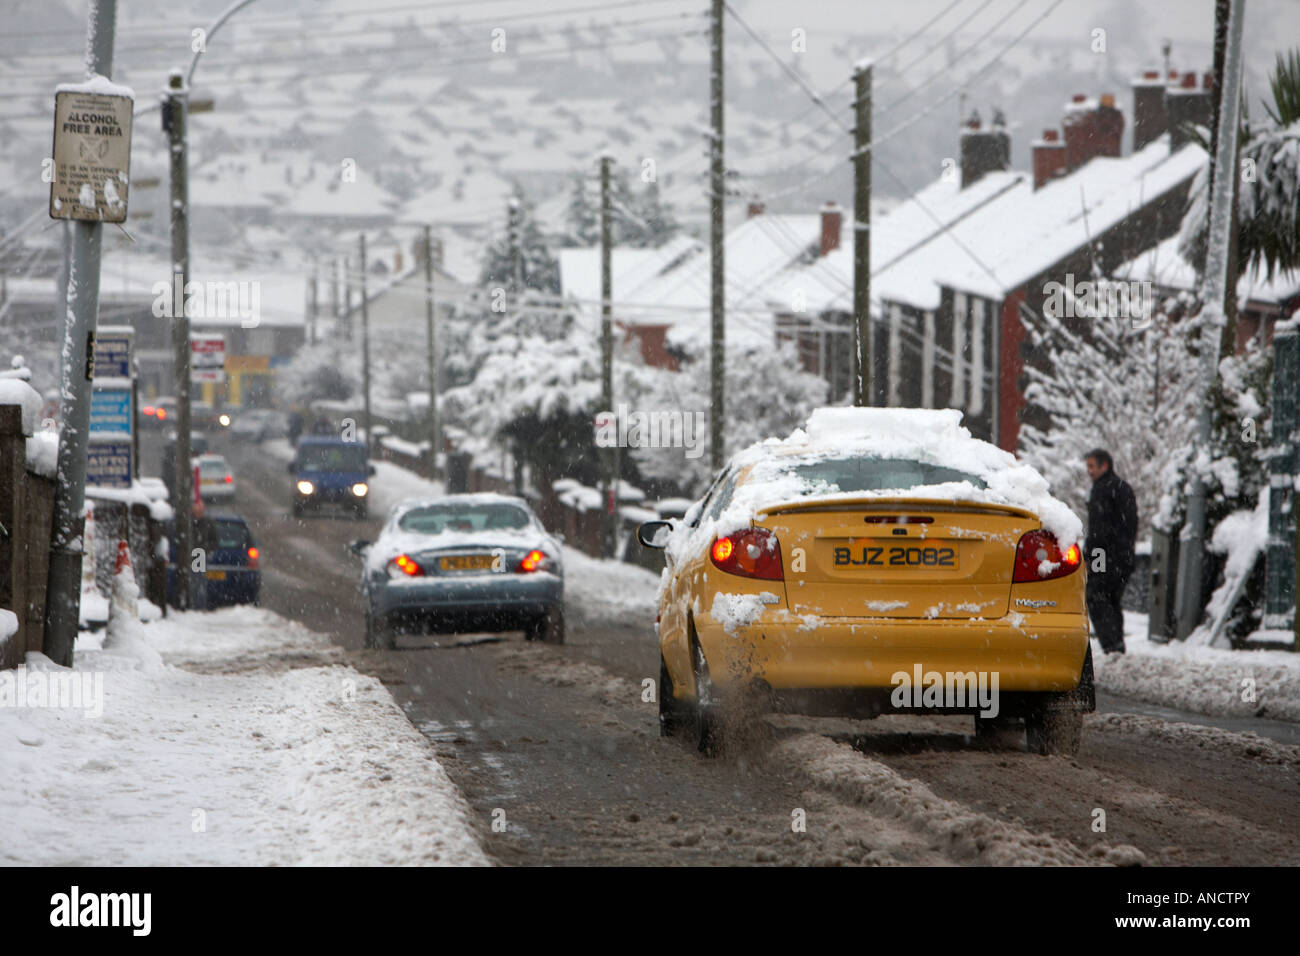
x=1112, y=533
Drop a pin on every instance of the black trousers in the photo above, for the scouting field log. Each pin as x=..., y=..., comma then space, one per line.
x=1105, y=592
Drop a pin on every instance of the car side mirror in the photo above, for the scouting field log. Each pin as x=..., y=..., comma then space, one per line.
x=654, y=534
x=370, y=470
x=359, y=546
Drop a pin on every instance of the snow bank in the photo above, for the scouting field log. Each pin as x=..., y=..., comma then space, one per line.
x=1203, y=680
x=14, y=391
x=248, y=764
x=43, y=453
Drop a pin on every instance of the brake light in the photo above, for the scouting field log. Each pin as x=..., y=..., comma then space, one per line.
x=532, y=560
x=750, y=553
x=407, y=566
x=253, y=555
x=1039, y=557
x=148, y=410
x=162, y=414
x=230, y=479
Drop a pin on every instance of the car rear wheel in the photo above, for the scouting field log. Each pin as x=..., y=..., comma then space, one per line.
x=1055, y=726
x=549, y=628
x=379, y=632
x=708, y=726
x=671, y=717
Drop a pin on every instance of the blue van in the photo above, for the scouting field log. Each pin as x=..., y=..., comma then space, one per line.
x=232, y=560
x=330, y=472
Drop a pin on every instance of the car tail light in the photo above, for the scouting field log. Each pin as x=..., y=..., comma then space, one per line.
x=535, y=560
x=162, y=414
x=403, y=564
x=253, y=555
x=751, y=553
x=1039, y=557
x=148, y=410
x=230, y=479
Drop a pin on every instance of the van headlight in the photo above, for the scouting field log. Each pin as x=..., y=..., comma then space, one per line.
x=305, y=488
x=360, y=489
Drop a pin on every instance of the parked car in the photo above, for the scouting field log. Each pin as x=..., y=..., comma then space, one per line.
x=159, y=413
x=216, y=480
x=330, y=472
x=462, y=563
x=877, y=549
x=231, y=559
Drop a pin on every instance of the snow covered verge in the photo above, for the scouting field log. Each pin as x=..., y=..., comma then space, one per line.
x=252, y=761
x=1203, y=680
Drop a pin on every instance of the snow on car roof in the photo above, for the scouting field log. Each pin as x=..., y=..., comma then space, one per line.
x=931, y=436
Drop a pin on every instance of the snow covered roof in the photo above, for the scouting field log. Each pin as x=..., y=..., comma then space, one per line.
x=631, y=269
x=827, y=284
x=1023, y=231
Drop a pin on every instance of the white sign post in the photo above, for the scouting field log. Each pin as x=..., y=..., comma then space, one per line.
x=207, y=357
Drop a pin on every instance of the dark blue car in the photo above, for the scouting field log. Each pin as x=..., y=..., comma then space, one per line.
x=231, y=560
x=330, y=472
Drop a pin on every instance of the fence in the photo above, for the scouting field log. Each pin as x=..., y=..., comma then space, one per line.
x=26, y=516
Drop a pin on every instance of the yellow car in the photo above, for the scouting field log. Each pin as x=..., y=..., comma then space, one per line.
x=877, y=561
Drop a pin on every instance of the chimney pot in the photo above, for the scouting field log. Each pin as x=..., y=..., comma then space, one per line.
x=832, y=223
x=756, y=207
x=1051, y=135
x=1208, y=82
x=1151, y=75
x=1189, y=81
x=1108, y=100
x=1078, y=98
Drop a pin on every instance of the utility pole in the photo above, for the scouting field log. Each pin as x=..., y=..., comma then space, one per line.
x=365, y=350
x=717, y=226
x=516, y=243
x=175, y=114
x=334, y=296
x=430, y=319
x=63, y=582
x=313, y=310
x=864, y=350
x=1213, y=310
x=608, y=455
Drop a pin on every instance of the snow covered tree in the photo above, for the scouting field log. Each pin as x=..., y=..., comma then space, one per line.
x=1106, y=382
x=582, y=216
x=767, y=395
x=1268, y=188
x=318, y=372
x=659, y=222
x=541, y=270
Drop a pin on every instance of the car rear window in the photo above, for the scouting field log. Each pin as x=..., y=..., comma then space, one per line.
x=228, y=534
x=332, y=458
x=831, y=475
x=435, y=519
x=212, y=468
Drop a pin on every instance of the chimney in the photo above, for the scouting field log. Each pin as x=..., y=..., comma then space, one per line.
x=1188, y=104
x=756, y=208
x=1150, y=121
x=1049, y=158
x=984, y=151
x=832, y=223
x=1091, y=129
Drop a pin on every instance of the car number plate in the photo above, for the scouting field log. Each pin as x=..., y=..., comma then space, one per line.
x=897, y=557
x=467, y=562
x=216, y=575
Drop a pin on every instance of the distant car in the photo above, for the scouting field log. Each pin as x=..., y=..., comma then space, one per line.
x=216, y=480
x=160, y=413
x=462, y=563
x=330, y=472
x=231, y=560
x=257, y=424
